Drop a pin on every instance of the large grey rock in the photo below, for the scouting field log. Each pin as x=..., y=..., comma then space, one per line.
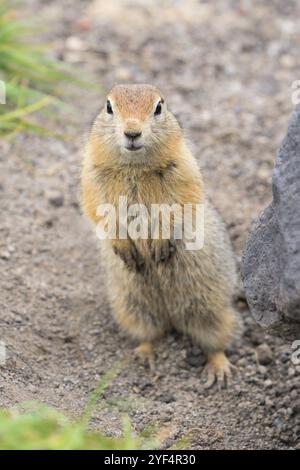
x=271, y=262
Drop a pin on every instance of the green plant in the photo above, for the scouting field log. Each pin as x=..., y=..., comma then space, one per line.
x=42, y=427
x=31, y=78
x=37, y=426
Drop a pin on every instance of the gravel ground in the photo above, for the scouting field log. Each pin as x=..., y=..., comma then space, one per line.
x=226, y=68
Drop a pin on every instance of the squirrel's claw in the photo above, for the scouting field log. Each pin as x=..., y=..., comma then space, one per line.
x=162, y=250
x=218, y=369
x=131, y=257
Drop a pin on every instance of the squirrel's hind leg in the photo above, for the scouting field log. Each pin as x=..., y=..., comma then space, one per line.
x=145, y=353
x=213, y=335
x=135, y=316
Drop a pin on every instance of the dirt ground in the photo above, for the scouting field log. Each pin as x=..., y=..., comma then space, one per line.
x=226, y=69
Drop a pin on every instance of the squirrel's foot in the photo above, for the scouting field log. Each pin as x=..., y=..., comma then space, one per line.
x=218, y=369
x=129, y=255
x=145, y=353
x=162, y=250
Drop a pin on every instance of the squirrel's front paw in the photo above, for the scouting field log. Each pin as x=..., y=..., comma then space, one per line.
x=162, y=250
x=129, y=254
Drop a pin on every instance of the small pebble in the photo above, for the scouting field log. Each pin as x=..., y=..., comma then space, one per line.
x=167, y=398
x=262, y=370
x=268, y=383
x=5, y=255
x=264, y=354
x=55, y=198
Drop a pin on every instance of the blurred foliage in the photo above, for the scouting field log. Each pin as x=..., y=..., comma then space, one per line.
x=35, y=426
x=31, y=78
x=38, y=427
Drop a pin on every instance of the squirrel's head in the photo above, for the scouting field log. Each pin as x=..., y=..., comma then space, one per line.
x=135, y=123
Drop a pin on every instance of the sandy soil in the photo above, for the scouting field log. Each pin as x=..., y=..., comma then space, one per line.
x=226, y=68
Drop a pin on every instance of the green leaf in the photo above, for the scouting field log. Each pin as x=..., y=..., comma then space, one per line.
x=33, y=80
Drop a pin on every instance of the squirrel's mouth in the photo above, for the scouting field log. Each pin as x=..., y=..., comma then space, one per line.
x=133, y=148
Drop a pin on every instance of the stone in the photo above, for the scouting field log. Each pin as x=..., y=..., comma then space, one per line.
x=74, y=43
x=55, y=198
x=264, y=354
x=5, y=255
x=271, y=261
x=262, y=370
x=268, y=383
x=167, y=398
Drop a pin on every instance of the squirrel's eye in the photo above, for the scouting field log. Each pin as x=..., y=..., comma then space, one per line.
x=158, y=109
x=108, y=107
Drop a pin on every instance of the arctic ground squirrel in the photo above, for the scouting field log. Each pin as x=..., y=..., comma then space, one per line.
x=137, y=150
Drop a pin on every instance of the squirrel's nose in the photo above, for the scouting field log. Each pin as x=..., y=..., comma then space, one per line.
x=132, y=134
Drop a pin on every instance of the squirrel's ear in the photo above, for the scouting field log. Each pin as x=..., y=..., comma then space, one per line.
x=178, y=119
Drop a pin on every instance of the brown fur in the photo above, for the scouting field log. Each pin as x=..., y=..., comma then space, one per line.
x=151, y=288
